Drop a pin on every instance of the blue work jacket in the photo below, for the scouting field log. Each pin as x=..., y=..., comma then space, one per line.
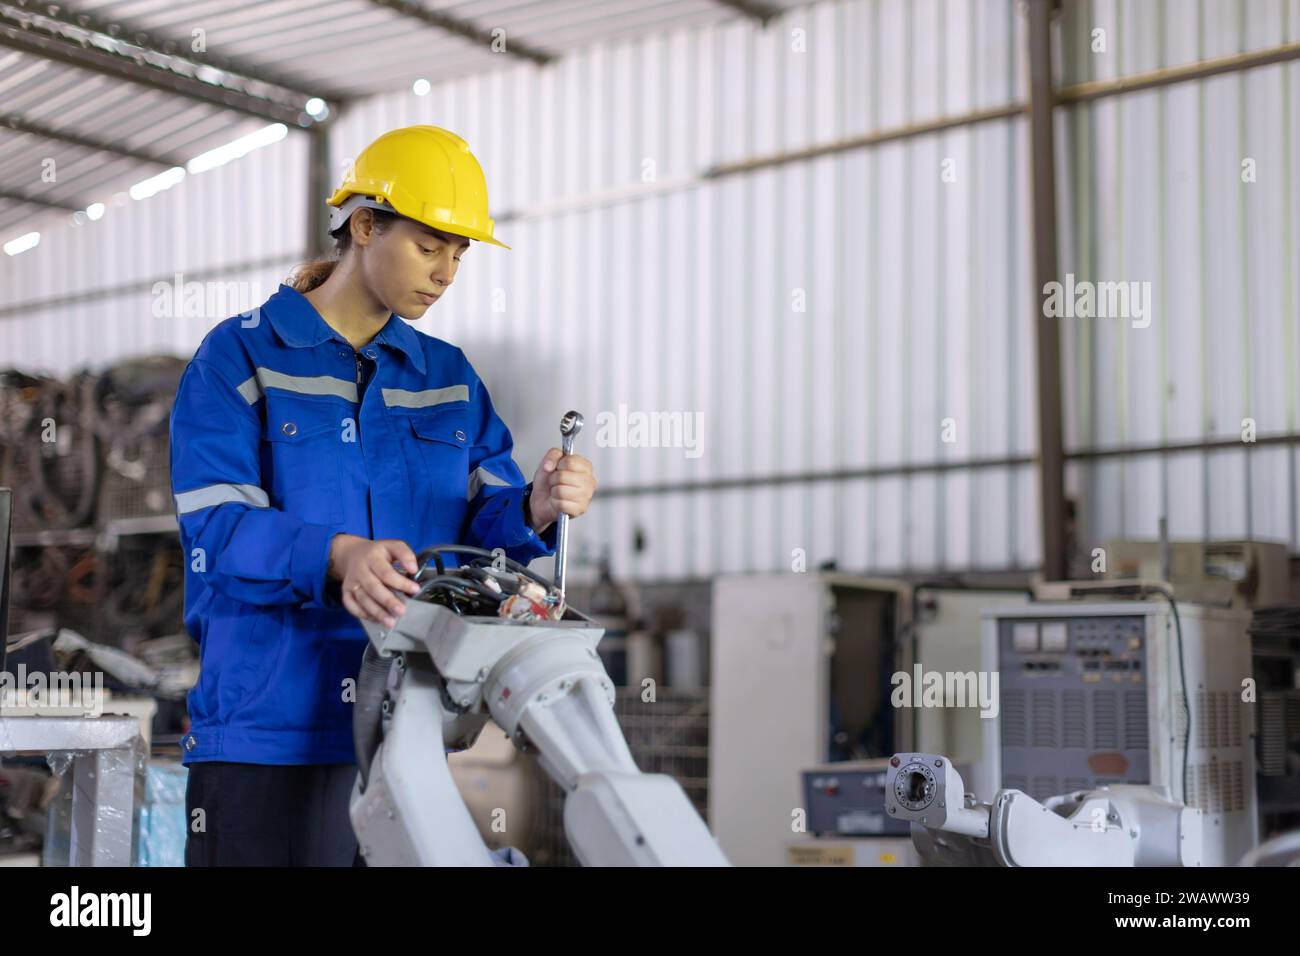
x=282, y=436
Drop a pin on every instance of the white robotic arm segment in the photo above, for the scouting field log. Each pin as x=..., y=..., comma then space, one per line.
x=1121, y=825
x=544, y=684
x=927, y=789
x=407, y=777
x=636, y=819
x=552, y=692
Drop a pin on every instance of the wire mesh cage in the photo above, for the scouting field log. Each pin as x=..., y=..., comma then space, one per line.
x=54, y=481
x=668, y=735
x=130, y=407
x=143, y=590
x=49, y=455
x=137, y=482
x=56, y=586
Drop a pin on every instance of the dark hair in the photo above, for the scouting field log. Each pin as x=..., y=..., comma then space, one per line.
x=309, y=275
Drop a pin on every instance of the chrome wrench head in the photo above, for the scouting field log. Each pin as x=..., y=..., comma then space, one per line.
x=570, y=425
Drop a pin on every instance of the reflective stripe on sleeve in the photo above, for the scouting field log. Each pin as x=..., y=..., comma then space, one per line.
x=200, y=498
x=480, y=477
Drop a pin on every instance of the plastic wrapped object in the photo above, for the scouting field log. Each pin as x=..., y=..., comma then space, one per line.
x=162, y=818
x=93, y=819
x=508, y=856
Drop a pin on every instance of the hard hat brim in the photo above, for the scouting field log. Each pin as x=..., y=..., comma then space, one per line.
x=343, y=203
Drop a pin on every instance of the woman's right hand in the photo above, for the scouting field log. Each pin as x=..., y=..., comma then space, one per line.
x=368, y=577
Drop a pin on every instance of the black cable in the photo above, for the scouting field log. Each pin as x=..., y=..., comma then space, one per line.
x=510, y=563
x=1182, y=675
x=466, y=588
x=423, y=559
x=497, y=585
x=462, y=579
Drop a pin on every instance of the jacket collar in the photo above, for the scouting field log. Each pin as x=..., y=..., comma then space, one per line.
x=299, y=325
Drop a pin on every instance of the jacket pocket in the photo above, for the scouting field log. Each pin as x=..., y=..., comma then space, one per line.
x=440, y=466
x=250, y=668
x=242, y=658
x=305, y=440
x=442, y=452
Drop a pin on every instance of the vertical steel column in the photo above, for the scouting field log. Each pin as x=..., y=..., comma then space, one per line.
x=1051, y=457
x=319, y=187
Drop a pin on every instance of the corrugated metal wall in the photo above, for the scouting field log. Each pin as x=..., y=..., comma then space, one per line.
x=821, y=317
x=850, y=329
x=1152, y=189
x=87, y=295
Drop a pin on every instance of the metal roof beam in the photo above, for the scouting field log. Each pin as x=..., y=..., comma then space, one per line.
x=464, y=29
x=183, y=50
x=85, y=42
x=16, y=196
x=19, y=125
x=762, y=12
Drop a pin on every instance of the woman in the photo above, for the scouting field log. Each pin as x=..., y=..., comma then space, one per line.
x=317, y=443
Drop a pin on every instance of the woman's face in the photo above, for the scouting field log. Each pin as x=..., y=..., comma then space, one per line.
x=409, y=266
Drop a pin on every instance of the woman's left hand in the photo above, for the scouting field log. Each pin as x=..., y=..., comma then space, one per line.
x=561, y=484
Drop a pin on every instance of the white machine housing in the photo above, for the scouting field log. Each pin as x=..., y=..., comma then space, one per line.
x=949, y=639
x=778, y=643
x=1216, y=657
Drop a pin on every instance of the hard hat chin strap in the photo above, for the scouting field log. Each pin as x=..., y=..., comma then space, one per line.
x=339, y=214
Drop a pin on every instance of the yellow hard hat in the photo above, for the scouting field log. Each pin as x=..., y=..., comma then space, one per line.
x=424, y=173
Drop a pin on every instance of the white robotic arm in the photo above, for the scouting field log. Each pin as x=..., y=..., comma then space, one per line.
x=545, y=685
x=1121, y=825
x=434, y=680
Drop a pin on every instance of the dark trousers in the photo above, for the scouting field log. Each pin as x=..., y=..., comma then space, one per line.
x=264, y=815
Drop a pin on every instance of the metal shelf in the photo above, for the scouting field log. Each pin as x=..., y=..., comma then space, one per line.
x=53, y=537
x=125, y=527
x=106, y=539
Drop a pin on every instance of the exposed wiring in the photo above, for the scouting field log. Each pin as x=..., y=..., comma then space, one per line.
x=481, y=585
x=491, y=556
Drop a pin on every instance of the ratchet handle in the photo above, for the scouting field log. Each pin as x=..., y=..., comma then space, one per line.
x=570, y=425
x=562, y=532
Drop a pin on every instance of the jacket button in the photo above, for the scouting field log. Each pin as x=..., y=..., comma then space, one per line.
x=190, y=742
x=343, y=353
x=289, y=428
x=369, y=353
x=460, y=436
